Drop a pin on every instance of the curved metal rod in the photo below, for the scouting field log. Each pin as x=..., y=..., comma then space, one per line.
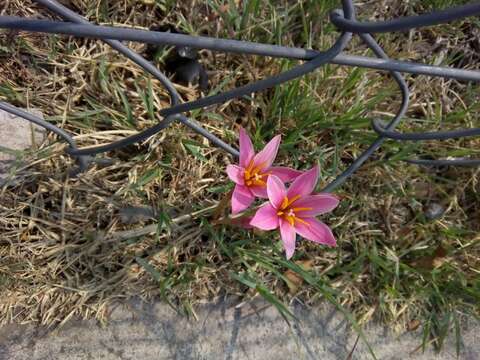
x=451, y=162
x=436, y=135
x=407, y=67
x=339, y=45
x=440, y=135
x=291, y=74
x=125, y=34
x=235, y=46
x=375, y=47
x=68, y=14
x=288, y=75
x=404, y=23
x=260, y=85
x=124, y=142
x=141, y=136
x=108, y=34
x=153, y=37
x=83, y=161
x=150, y=68
x=208, y=135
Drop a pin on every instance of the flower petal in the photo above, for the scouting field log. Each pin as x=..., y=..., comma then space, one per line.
x=259, y=191
x=266, y=218
x=288, y=235
x=276, y=191
x=246, y=149
x=315, y=230
x=264, y=159
x=236, y=174
x=241, y=199
x=317, y=203
x=285, y=174
x=304, y=184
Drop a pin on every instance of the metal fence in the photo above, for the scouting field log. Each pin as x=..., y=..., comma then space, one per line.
x=343, y=19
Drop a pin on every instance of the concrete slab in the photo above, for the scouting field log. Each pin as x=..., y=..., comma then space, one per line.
x=16, y=134
x=222, y=331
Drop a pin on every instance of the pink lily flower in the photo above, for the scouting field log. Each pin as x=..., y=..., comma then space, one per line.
x=294, y=211
x=250, y=176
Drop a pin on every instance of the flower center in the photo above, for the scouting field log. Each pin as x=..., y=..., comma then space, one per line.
x=289, y=213
x=253, y=176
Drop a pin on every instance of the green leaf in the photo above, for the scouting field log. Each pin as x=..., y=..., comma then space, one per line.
x=195, y=150
x=150, y=269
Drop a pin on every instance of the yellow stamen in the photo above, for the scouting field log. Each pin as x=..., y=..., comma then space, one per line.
x=250, y=167
x=297, y=209
x=259, y=182
x=284, y=203
x=290, y=219
x=288, y=214
x=259, y=176
x=253, y=176
x=302, y=221
x=295, y=198
x=258, y=168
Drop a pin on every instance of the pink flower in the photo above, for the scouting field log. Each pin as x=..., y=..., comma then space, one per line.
x=294, y=211
x=250, y=176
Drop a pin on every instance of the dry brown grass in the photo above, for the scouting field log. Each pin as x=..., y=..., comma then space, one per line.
x=67, y=250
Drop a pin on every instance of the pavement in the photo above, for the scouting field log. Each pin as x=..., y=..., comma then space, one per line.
x=221, y=330
x=16, y=135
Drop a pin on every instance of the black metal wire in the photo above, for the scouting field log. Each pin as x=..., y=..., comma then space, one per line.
x=405, y=23
x=452, y=162
x=438, y=135
x=239, y=92
x=340, y=179
x=150, y=68
x=406, y=67
x=344, y=19
x=83, y=161
x=226, y=45
x=263, y=84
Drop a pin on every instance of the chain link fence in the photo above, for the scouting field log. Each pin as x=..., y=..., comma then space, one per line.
x=344, y=19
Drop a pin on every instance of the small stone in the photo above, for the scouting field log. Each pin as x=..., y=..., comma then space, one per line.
x=434, y=211
x=136, y=214
x=16, y=134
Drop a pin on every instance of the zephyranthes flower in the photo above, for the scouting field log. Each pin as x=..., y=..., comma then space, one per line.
x=294, y=211
x=251, y=175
